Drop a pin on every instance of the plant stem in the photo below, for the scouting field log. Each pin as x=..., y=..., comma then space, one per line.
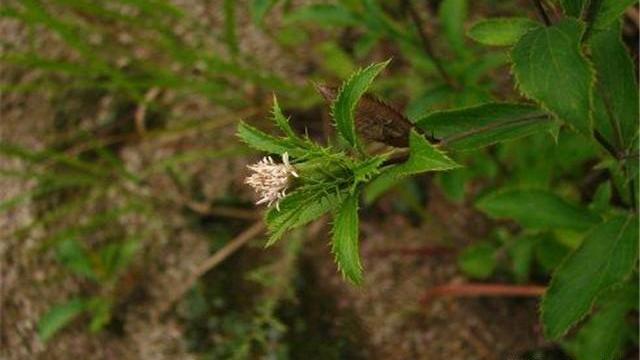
x=476, y=290
x=605, y=144
x=231, y=247
x=426, y=44
x=542, y=12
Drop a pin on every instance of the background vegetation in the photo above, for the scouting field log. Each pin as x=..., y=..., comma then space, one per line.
x=127, y=231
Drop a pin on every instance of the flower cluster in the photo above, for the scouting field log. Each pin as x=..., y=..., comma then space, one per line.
x=270, y=180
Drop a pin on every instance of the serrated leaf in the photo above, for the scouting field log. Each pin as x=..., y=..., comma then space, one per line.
x=606, y=257
x=616, y=100
x=60, y=316
x=344, y=240
x=264, y=142
x=604, y=335
x=501, y=31
x=345, y=104
x=366, y=169
x=452, y=14
x=281, y=120
x=422, y=157
x=550, y=68
x=72, y=255
x=483, y=125
x=299, y=208
x=478, y=261
x=536, y=209
x=608, y=11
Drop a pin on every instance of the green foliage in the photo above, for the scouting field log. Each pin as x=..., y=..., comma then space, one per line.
x=71, y=254
x=616, y=103
x=536, y=209
x=60, y=316
x=478, y=261
x=607, y=331
x=501, y=31
x=343, y=108
x=452, y=14
x=423, y=157
x=344, y=240
x=606, y=257
x=484, y=125
x=561, y=81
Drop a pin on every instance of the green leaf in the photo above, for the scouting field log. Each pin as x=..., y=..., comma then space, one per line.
x=72, y=255
x=536, y=209
x=616, y=100
x=452, y=14
x=607, y=256
x=604, y=335
x=478, y=261
x=501, y=31
x=322, y=14
x=299, y=208
x=230, y=36
x=100, y=314
x=483, y=125
x=281, y=120
x=550, y=252
x=608, y=11
x=573, y=7
x=550, y=68
x=601, y=198
x=422, y=157
x=60, y=316
x=521, y=252
x=344, y=241
x=265, y=142
x=115, y=257
x=259, y=8
x=345, y=104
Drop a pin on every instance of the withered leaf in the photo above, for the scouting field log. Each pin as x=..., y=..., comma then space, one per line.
x=374, y=119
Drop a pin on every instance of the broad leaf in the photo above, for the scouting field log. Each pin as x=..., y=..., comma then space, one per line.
x=609, y=11
x=536, y=209
x=616, y=100
x=550, y=69
x=604, y=335
x=344, y=241
x=483, y=125
x=501, y=32
x=345, y=104
x=452, y=14
x=422, y=157
x=60, y=316
x=606, y=257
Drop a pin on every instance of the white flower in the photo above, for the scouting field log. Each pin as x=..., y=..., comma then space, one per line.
x=270, y=180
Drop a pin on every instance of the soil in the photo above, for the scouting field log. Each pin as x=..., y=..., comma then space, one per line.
x=384, y=319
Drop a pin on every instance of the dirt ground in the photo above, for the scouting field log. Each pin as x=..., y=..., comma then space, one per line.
x=383, y=320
